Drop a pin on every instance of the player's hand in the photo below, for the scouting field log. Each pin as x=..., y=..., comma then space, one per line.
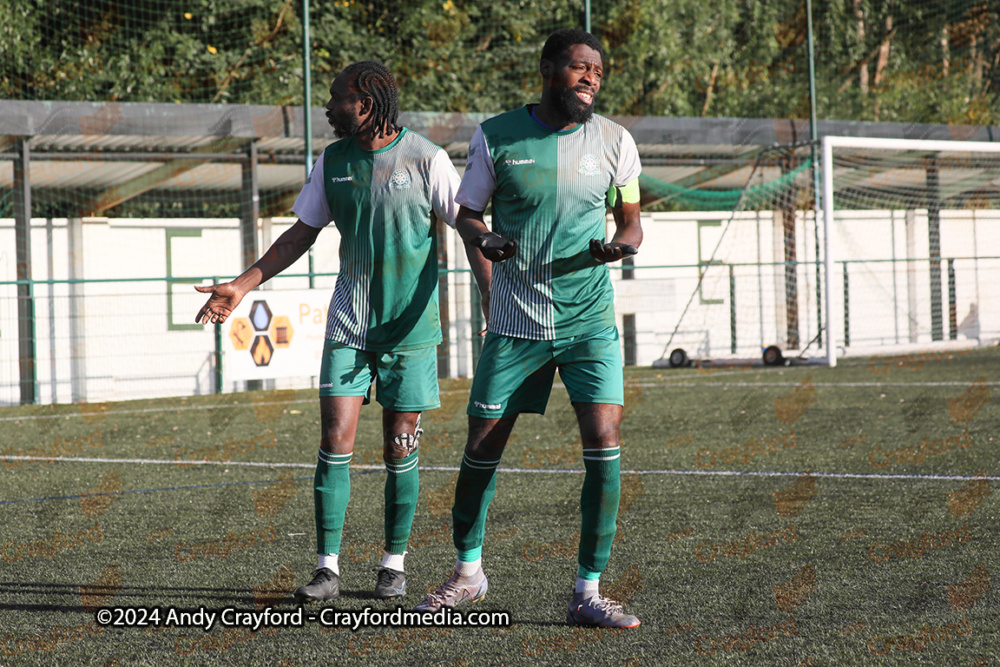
x=495, y=247
x=225, y=297
x=610, y=252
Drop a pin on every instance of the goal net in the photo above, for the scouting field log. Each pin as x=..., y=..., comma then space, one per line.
x=913, y=244
x=903, y=256
x=746, y=261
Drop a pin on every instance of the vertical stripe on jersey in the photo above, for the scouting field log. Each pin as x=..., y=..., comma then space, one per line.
x=507, y=315
x=347, y=321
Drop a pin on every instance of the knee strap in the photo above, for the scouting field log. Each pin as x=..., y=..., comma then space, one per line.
x=410, y=442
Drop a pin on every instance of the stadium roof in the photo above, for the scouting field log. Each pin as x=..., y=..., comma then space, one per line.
x=125, y=149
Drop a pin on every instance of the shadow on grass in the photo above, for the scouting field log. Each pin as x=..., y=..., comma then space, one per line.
x=181, y=598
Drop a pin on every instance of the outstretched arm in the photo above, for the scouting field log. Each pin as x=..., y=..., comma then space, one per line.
x=283, y=253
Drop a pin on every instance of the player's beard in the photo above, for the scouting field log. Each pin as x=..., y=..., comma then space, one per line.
x=344, y=127
x=571, y=107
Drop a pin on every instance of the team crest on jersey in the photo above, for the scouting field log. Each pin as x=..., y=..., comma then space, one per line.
x=400, y=179
x=590, y=165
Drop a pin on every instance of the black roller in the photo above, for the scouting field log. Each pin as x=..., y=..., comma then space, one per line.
x=772, y=356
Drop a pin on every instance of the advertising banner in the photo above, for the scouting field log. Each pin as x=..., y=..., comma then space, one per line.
x=275, y=335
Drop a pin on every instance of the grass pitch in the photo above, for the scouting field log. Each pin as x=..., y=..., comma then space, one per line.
x=794, y=516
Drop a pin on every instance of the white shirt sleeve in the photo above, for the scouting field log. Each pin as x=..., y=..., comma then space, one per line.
x=444, y=182
x=480, y=180
x=628, y=161
x=311, y=205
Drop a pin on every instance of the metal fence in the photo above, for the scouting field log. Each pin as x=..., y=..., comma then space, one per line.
x=103, y=329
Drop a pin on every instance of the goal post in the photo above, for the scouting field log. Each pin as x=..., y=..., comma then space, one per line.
x=935, y=285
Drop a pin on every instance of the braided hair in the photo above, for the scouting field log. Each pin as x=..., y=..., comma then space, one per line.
x=374, y=80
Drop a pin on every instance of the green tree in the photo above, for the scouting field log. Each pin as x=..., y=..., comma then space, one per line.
x=890, y=60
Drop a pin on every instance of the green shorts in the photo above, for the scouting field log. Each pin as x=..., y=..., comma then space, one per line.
x=406, y=381
x=515, y=374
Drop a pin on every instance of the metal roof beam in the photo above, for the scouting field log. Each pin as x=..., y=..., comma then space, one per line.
x=30, y=118
x=121, y=193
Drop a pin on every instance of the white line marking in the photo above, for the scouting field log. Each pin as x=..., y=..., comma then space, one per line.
x=721, y=473
x=817, y=384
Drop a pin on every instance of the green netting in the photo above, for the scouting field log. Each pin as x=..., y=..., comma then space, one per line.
x=721, y=200
x=6, y=203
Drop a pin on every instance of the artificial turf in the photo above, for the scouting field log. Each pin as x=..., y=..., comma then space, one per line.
x=776, y=516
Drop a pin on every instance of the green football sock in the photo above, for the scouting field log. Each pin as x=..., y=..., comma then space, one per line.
x=477, y=483
x=599, y=509
x=331, y=490
x=402, y=489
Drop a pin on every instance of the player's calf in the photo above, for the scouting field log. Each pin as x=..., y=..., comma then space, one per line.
x=402, y=485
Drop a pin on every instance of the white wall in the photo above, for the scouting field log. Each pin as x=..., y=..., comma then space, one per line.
x=132, y=352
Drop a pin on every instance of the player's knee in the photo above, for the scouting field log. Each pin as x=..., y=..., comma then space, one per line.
x=488, y=437
x=334, y=435
x=601, y=437
x=403, y=444
x=486, y=446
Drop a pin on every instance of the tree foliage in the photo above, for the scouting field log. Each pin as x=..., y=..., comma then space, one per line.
x=889, y=60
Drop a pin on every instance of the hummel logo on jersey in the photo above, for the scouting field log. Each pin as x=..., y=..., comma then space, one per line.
x=590, y=165
x=341, y=179
x=487, y=406
x=517, y=162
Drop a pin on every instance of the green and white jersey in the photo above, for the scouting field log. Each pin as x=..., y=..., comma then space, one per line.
x=384, y=204
x=548, y=189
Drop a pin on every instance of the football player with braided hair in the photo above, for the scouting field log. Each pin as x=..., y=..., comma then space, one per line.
x=386, y=189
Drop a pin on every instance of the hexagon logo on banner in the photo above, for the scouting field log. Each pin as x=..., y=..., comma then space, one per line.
x=261, y=351
x=281, y=331
x=241, y=333
x=260, y=315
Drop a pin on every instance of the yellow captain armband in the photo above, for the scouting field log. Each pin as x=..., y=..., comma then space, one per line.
x=630, y=192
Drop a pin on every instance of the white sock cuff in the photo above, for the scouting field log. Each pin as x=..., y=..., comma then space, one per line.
x=468, y=569
x=588, y=586
x=335, y=459
x=330, y=562
x=393, y=561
